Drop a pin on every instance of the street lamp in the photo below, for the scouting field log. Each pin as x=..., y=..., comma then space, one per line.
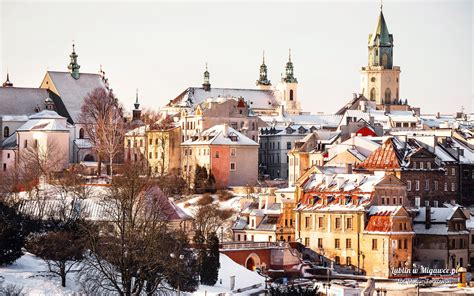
x=180, y=257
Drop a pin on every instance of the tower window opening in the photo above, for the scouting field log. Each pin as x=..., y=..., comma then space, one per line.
x=291, y=95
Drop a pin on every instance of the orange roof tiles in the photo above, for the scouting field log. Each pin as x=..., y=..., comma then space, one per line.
x=384, y=157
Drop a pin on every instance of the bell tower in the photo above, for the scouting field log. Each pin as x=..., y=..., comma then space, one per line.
x=288, y=88
x=263, y=82
x=380, y=79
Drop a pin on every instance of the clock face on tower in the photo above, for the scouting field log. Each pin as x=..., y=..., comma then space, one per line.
x=372, y=79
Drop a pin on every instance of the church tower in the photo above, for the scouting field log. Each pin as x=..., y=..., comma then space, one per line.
x=206, y=83
x=380, y=79
x=288, y=87
x=263, y=82
x=73, y=65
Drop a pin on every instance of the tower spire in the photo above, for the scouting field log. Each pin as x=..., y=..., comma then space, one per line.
x=7, y=82
x=289, y=75
x=263, y=78
x=137, y=104
x=73, y=65
x=206, y=84
x=136, y=113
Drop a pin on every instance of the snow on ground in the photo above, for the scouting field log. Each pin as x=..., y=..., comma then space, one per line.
x=243, y=278
x=29, y=272
x=190, y=205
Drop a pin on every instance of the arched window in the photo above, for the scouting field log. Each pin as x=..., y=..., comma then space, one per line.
x=81, y=133
x=373, y=94
x=385, y=60
x=6, y=132
x=291, y=95
x=388, y=95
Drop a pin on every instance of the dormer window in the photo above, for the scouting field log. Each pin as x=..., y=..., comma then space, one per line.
x=233, y=138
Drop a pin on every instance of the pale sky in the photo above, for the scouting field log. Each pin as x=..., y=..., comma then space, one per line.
x=161, y=48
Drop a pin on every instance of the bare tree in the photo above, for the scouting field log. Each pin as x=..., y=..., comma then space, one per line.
x=132, y=255
x=209, y=218
x=102, y=116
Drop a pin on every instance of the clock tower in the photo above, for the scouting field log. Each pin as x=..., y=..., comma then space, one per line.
x=380, y=79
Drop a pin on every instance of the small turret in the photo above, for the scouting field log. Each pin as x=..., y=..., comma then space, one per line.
x=263, y=79
x=49, y=104
x=137, y=113
x=7, y=82
x=206, y=84
x=289, y=75
x=73, y=65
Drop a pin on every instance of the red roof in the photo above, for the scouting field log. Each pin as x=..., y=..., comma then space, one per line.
x=379, y=224
x=366, y=131
x=384, y=157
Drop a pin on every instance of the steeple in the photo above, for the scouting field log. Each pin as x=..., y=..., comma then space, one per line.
x=73, y=65
x=263, y=79
x=206, y=84
x=7, y=82
x=137, y=105
x=289, y=75
x=381, y=45
x=136, y=113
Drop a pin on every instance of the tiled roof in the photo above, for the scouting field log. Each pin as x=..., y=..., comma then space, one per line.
x=384, y=157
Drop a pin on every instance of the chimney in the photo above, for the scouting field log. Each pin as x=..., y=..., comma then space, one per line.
x=226, y=129
x=363, y=106
x=427, y=217
x=453, y=202
x=349, y=168
x=260, y=202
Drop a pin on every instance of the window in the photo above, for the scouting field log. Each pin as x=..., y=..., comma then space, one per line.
x=150, y=155
x=373, y=94
x=129, y=144
x=453, y=171
x=453, y=187
x=25, y=143
x=156, y=155
x=232, y=166
x=156, y=141
x=427, y=185
x=141, y=143
x=374, y=244
x=232, y=152
x=337, y=243
x=217, y=154
x=245, y=237
x=320, y=222
x=348, y=243
x=421, y=164
x=150, y=142
x=408, y=185
x=436, y=185
x=320, y=242
x=417, y=185
x=348, y=223
x=238, y=237
x=306, y=241
x=81, y=135
x=388, y=95
x=8, y=155
x=338, y=260
x=288, y=145
x=338, y=223
x=348, y=261
x=428, y=165
x=417, y=201
x=269, y=238
x=445, y=186
x=291, y=95
x=4, y=167
x=307, y=222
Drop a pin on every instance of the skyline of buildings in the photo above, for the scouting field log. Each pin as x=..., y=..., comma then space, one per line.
x=323, y=87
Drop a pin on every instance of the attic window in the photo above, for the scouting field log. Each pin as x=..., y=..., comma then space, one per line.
x=233, y=138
